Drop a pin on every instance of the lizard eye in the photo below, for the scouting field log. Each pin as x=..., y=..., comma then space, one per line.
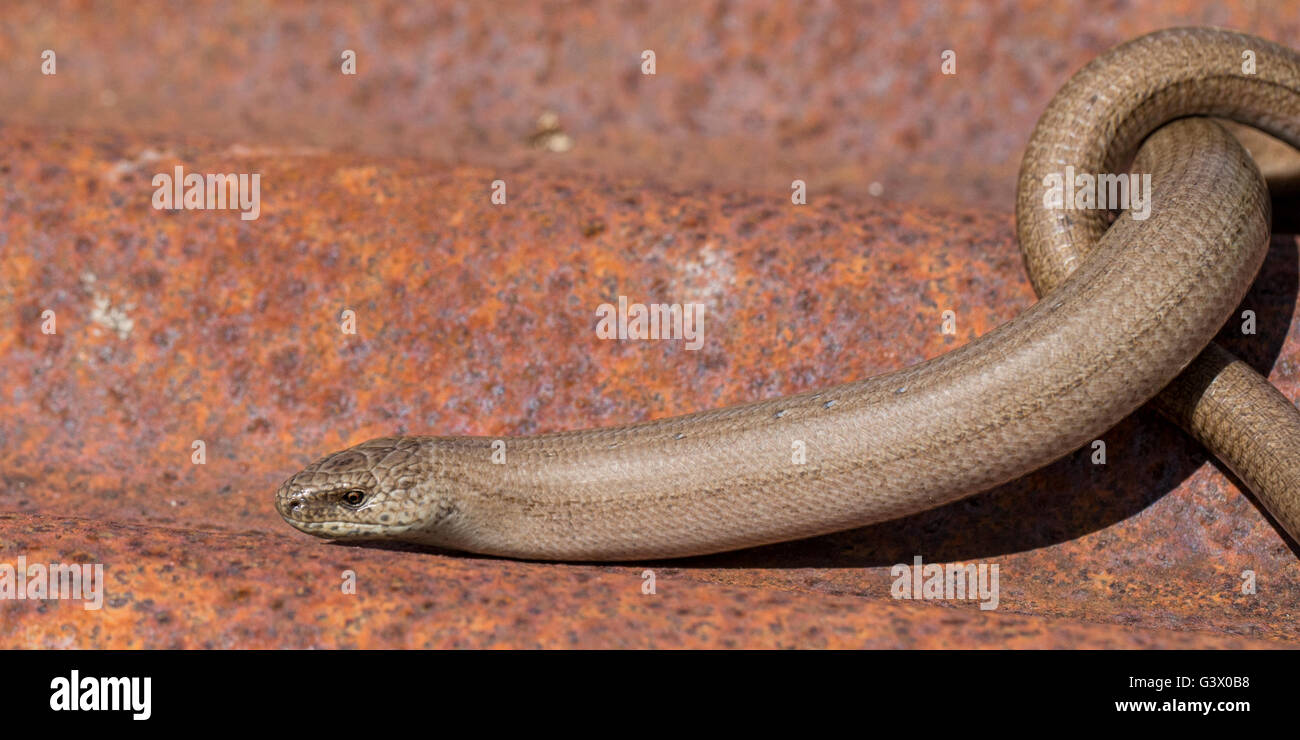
x=354, y=498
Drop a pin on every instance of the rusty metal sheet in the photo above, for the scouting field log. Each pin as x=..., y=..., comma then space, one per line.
x=474, y=318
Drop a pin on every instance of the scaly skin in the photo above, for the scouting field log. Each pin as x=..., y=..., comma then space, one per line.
x=1114, y=330
x=1095, y=124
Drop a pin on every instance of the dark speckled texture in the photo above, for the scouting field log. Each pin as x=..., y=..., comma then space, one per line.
x=480, y=319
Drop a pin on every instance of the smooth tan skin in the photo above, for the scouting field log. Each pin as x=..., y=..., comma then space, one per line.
x=1221, y=401
x=1109, y=335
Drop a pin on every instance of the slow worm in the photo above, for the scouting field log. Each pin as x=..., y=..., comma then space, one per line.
x=1220, y=400
x=1111, y=331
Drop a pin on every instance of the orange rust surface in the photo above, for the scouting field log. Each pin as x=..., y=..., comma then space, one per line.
x=748, y=94
x=479, y=319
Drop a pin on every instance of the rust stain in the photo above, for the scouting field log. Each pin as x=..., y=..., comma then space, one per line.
x=474, y=318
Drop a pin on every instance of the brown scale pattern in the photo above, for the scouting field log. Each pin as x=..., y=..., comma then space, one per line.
x=235, y=341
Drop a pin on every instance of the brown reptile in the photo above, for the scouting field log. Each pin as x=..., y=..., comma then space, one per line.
x=1110, y=332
